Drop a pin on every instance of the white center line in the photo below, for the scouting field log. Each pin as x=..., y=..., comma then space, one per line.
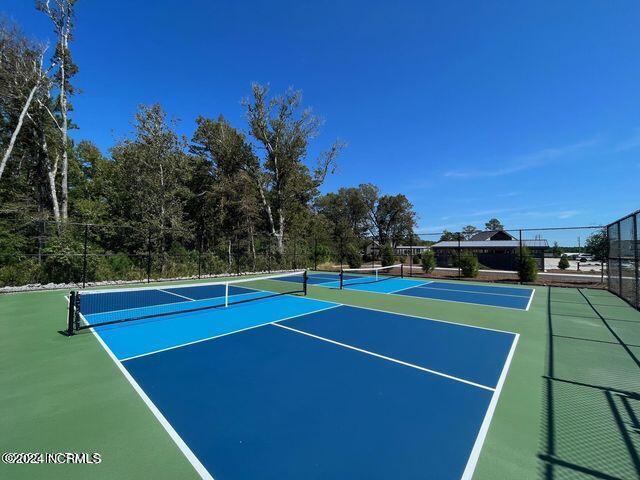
x=406, y=364
x=176, y=294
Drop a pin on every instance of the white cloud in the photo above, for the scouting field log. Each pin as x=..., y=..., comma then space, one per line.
x=525, y=162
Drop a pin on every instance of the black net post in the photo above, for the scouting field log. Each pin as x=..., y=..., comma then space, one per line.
x=341, y=278
x=401, y=270
x=84, y=256
x=305, y=281
x=149, y=256
x=71, y=314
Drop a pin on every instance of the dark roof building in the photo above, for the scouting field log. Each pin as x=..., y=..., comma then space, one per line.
x=494, y=249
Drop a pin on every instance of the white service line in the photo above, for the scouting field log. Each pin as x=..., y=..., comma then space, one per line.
x=484, y=428
x=533, y=292
x=227, y=334
x=390, y=359
x=411, y=286
x=176, y=294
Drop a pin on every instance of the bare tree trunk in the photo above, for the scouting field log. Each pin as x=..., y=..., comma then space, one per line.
x=252, y=246
x=64, y=128
x=16, y=130
x=52, y=170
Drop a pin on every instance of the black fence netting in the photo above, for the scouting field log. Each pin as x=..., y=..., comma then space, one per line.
x=44, y=252
x=622, y=260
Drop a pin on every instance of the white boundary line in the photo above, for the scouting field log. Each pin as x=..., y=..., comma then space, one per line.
x=533, y=292
x=471, y=291
x=184, y=448
x=484, y=428
x=457, y=301
x=390, y=359
x=227, y=334
x=429, y=318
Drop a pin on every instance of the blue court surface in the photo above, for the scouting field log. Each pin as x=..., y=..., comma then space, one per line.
x=489, y=295
x=288, y=387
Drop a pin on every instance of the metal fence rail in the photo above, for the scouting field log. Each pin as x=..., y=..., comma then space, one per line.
x=623, y=258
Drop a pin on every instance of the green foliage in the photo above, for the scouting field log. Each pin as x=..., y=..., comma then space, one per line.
x=448, y=236
x=428, y=261
x=563, y=264
x=469, y=265
x=387, y=256
x=597, y=245
x=494, y=224
x=353, y=256
x=556, y=251
x=469, y=231
x=527, y=266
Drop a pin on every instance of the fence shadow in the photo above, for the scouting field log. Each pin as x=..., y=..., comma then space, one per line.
x=591, y=396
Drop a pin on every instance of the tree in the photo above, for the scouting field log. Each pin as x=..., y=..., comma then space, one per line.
x=494, y=225
x=61, y=15
x=22, y=80
x=527, y=266
x=469, y=265
x=563, y=264
x=428, y=261
x=226, y=198
x=150, y=174
x=387, y=256
x=282, y=179
x=390, y=217
x=448, y=236
x=597, y=245
x=469, y=231
x=556, y=251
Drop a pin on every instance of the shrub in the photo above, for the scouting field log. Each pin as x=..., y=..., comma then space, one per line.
x=527, y=267
x=387, y=256
x=353, y=256
x=469, y=265
x=428, y=261
x=563, y=264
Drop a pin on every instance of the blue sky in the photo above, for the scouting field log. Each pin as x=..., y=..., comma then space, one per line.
x=526, y=111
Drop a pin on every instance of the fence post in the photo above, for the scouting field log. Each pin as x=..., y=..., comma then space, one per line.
x=200, y=255
x=459, y=235
x=295, y=263
x=520, y=259
x=84, y=256
x=635, y=257
x=411, y=259
x=269, y=255
x=315, y=252
x=149, y=257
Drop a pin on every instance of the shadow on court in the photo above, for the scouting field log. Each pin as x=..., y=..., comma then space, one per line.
x=591, y=396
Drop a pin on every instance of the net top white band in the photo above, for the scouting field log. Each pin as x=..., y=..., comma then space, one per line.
x=275, y=276
x=370, y=269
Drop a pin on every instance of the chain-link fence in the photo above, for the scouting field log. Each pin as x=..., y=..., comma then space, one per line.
x=43, y=252
x=623, y=258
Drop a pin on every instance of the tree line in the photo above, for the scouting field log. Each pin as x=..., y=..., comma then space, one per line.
x=226, y=185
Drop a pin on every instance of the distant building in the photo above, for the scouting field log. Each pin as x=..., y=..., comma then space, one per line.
x=494, y=249
x=401, y=250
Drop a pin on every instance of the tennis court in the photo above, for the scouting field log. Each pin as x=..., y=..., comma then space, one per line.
x=390, y=280
x=253, y=379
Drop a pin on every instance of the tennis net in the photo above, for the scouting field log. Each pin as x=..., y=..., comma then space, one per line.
x=355, y=276
x=93, y=308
